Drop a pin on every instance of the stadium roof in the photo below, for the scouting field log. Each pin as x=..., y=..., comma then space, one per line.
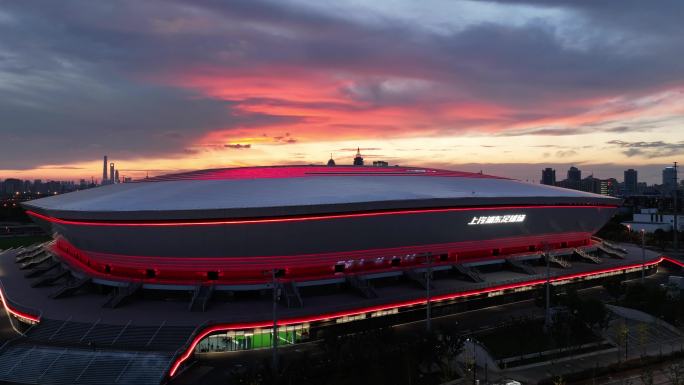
x=299, y=190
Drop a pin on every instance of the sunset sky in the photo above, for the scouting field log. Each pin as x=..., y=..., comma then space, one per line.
x=507, y=87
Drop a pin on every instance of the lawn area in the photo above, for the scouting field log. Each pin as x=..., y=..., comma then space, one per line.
x=526, y=336
x=6, y=243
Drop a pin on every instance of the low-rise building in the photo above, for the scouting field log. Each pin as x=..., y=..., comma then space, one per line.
x=651, y=220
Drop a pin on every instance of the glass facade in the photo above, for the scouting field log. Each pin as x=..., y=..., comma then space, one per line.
x=236, y=340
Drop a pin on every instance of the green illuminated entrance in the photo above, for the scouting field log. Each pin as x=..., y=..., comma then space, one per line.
x=236, y=340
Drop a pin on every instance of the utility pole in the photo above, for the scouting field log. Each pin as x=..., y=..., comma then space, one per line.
x=675, y=225
x=274, y=282
x=547, y=314
x=428, y=276
x=643, y=255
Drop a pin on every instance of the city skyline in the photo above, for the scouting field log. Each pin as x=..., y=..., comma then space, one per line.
x=650, y=174
x=505, y=87
x=554, y=174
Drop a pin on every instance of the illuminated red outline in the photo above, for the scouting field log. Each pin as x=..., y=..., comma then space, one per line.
x=15, y=312
x=672, y=260
x=285, y=322
x=290, y=172
x=298, y=218
x=81, y=260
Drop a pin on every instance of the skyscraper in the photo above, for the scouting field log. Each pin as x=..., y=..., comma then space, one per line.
x=358, y=159
x=669, y=179
x=105, y=178
x=548, y=176
x=574, y=174
x=631, y=182
x=111, y=173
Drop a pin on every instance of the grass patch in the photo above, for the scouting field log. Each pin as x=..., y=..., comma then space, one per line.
x=6, y=243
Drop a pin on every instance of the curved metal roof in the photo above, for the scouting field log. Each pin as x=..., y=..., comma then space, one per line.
x=299, y=190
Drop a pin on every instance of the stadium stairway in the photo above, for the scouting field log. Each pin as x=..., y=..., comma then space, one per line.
x=291, y=294
x=586, y=256
x=362, y=286
x=612, y=251
x=70, y=287
x=419, y=278
x=520, y=266
x=122, y=293
x=468, y=272
x=200, y=297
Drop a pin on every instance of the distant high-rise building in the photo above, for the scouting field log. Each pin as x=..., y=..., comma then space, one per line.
x=631, y=182
x=574, y=174
x=548, y=176
x=111, y=172
x=105, y=178
x=358, y=159
x=669, y=179
x=13, y=186
x=331, y=161
x=38, y=187
x=612, y=187
x=116, y=177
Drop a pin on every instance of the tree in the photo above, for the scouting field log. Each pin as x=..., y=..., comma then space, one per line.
x=643, y=331
x=660, y=237
x=621, y=334
x=675, y=373
x=594, y=313
x=647, y=376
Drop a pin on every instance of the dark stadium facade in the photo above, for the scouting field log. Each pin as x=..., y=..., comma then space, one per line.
x=302, y=222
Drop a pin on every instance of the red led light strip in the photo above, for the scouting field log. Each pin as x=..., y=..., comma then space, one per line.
x=673, y=261
x=15, y=312
x=290, y=172
x=297, y=218
x=290, y=321
x=242, y=269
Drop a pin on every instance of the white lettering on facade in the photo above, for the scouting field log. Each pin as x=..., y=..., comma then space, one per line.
x=494, y=219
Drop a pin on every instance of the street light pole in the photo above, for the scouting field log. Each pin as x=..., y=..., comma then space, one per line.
x=275, y=323
x=428, y=276
x=675, y=225
x=547, y=314
x=274, y=284
x=643, y=255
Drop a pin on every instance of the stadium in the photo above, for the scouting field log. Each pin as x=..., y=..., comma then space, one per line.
x=139, y=277
x=229, y=226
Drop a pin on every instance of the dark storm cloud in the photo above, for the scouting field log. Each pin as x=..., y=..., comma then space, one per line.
x=656, y=149
x=125, y=120
x=662, y=18
x=70, y=93
x=238, y=146
x=590, y=128
x=81, y=78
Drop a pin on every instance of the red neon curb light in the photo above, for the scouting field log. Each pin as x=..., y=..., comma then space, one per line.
x=15, y=312
x=296, y=218
x=674, y=261
x=285, y=322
